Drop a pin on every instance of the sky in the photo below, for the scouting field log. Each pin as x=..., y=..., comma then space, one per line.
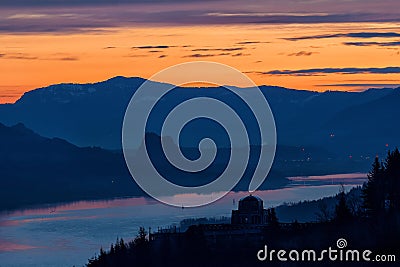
x=317, y=45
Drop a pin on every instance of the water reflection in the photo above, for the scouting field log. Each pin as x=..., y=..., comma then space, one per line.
x=354, y=178
x=69, y=234
x=10, y=246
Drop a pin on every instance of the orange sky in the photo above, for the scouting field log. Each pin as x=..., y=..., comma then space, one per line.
x=34, y=60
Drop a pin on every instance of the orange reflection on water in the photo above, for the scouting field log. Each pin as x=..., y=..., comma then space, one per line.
x=82, y=205
x=7, y=246
x=335, y=177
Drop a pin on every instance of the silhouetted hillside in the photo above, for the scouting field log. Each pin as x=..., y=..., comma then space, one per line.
x=34, y=170
x=372, y=123
x=320, y=210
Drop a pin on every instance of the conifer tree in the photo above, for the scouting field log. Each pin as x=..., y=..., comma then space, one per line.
x=371, y=196
x=342, y=210
x=392, y=180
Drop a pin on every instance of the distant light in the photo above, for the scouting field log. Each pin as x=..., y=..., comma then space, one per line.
x=387, y=145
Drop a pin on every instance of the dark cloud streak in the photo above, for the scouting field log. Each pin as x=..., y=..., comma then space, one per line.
x=60, y=3
x=349, y=35
x=322, y=71
x=248, y=42
x=24, y=56
x=97, y=18
x=67, y=59
x=19, y=56
x=217, y=49
x=302, y=53
x=240, y=54
x=384, y=44
x=360, y=85
x=201, y=55
x=152, y=47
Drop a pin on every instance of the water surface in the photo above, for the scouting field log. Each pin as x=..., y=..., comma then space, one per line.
x=69, y=234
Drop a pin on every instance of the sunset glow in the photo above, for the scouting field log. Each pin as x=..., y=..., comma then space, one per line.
x=34, y=55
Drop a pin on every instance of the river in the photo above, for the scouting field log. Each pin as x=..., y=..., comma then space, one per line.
x=69, y=234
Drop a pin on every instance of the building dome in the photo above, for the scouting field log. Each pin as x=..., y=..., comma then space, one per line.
x=251, y=203
x=251, y=198
x=250, y=211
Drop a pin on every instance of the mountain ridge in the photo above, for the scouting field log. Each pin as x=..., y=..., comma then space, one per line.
x=92, y=114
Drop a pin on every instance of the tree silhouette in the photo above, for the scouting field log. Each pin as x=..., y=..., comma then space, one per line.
x=373, y=191
x=381, y=192
x=323, y=214
x=392, y=185
x=342, y=210
x=141, y=237
x=272, y=219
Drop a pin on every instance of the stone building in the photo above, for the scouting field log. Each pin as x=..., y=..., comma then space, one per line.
x=250, y=211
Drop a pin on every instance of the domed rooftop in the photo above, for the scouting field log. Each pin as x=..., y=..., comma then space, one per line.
x=251, y=198
x=251, y=203
x=250, y=211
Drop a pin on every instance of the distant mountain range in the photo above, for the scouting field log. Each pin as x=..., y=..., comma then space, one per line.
x=344, y=123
